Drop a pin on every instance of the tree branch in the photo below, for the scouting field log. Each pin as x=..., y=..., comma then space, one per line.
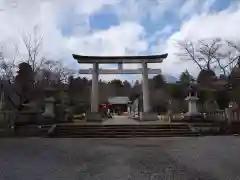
x=190, y=52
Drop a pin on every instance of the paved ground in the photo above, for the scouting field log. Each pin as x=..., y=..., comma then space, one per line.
x=117, y=120
x=201, y=158
x=121, y=120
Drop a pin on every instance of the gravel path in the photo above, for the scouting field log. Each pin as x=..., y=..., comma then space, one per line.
x=120, y=159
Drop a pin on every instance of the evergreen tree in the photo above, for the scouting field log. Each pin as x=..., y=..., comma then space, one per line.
x=24, y=81
x=158, y=81
x=185, y=77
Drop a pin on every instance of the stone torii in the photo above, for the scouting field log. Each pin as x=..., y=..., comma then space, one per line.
x=95, y=71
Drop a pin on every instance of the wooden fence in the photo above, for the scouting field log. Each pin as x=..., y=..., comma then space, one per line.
x=218, y=115
x=226, y=115
x=174, y=117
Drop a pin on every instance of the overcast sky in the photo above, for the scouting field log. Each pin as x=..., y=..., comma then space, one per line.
x=118, y=27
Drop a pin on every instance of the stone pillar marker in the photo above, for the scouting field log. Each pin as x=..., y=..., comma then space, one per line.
x=128, y=109
x=135, y=109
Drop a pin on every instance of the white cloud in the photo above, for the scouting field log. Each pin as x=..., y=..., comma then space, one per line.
x=124, y=39
x=188, y=8
x=192, y=7
x=86, y=7
x=211, y=25
x=127, y=38
x=19, y=17
x=138, y=10
x=224, y=24
x=207, y=5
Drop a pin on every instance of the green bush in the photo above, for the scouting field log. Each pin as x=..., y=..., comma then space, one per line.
x=222, y=98
x=78, y=109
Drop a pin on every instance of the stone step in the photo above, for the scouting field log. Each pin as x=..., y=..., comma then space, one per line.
x=131, y=133
x=127, y=135
x=106, y=131
x=120, y=130
x=124, y=131
x=204, y=124
x=59, y=134
x=159, y=130
x=32, y=130
x=167, y=126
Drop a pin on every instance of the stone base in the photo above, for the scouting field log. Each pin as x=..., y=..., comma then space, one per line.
x=148, y=116
x=45, y=120
x=193, y=117
x=93, y=117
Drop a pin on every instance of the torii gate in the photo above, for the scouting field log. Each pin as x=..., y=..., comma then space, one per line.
x=95, y=71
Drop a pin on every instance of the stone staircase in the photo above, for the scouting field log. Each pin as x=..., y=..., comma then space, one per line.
x=207, y=128
x=122, y=131
x=116, y=131
x=34, y=131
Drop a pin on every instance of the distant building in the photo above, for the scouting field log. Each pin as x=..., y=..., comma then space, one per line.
x=119, y=103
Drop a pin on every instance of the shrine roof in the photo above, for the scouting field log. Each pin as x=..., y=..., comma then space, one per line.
x=119, y=100
x=120, y=59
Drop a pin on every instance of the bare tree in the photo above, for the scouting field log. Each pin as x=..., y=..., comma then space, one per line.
x=226, y=63
x=7, y=66
x=63, y=72
x=202, y=52
x=57, y=71
x=234, y=45
x=227, y=57
x=32, y=42
x=210, y=54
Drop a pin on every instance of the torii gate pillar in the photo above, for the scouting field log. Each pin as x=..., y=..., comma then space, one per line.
x=146, y=114
x=94, y=90
x=145, y=88
x=94, y=115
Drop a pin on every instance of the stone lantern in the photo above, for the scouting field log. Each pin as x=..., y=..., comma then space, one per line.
x=65, y=106
x=49, y=108
x=192, y=99
x=49, y=103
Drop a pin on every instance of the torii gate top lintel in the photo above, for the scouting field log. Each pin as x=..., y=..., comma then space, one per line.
x=119, y=59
